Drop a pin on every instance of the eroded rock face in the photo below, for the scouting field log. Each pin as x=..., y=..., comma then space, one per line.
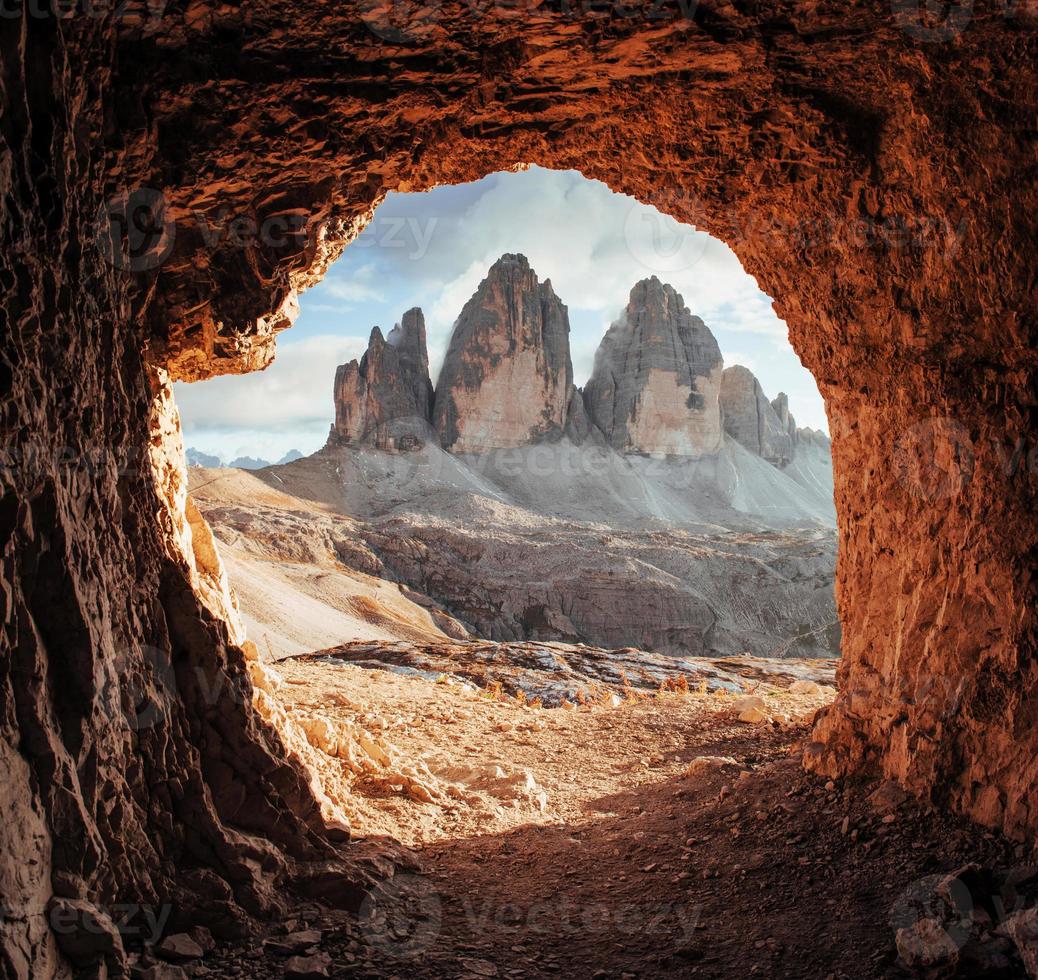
x=507, y=376
x=657, y=375
x=780, y=404
x=752, y=421
x=386, y=396
x=825, y=144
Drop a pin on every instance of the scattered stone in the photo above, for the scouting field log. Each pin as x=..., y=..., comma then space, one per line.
x=888, y=797
x=709, y=763
x=160, y=971
x=1022, y=928
x=204, y=938
x=753, y=715
x=479, y=968
x=294, y=942
x=805, y=687
x=926, y=945
x=313, y=967
x=179, y=948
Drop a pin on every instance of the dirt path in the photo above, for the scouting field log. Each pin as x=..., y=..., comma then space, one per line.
x=599, y=847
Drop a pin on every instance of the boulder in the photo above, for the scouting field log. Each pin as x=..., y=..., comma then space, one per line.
x=84, y=933
x=180, y=948
x=314, y=967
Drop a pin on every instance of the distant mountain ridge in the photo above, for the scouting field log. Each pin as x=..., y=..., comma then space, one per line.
x=659, y=385
x=196, y=457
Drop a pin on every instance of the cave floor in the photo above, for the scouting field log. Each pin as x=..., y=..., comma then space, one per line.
x=634, y=863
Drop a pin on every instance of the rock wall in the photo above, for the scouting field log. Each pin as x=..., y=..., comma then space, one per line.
x=136, y=779
x=657, y=376
x=752, y=421
x=507, y=376
x=386, y=396
x=872, y=166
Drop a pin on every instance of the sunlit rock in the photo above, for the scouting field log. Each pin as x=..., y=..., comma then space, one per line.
x=507, y=377
x=657, y=377
x=385, y=398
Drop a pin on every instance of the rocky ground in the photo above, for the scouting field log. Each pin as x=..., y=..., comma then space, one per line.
x=657, y=836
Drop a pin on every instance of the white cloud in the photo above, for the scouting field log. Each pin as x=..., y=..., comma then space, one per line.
x=294, y=392
x=357, y=288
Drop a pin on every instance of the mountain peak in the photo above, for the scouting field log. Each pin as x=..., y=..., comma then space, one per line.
x=763, y=427
x=507, y=374
x=657, y=377
x=387, y=395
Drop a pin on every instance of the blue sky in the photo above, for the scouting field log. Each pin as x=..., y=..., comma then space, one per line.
x=431, y=250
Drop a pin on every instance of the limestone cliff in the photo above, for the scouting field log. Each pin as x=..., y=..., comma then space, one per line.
x=507, y=377
x=657, y=376
x=386, y=397
x=751, y=420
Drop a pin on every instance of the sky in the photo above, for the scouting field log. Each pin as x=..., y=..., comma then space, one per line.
x=432, y=250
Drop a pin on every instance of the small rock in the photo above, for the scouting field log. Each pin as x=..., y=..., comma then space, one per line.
x=709, y=763
x=1022, y=928
x=314, y=967
x=160, y=971
x=204, y=938
x=294, y=942
x=179, y=948
x=479, y=968
x=887, y=797
x=926, y=945
x=753, y=716
x=746, y=702
x=805, y=687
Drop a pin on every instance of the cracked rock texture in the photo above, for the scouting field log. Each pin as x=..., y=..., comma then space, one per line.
x=386, y=397
x=507, y=376
x=872, y=165
x=751, y=420
x=657, y=375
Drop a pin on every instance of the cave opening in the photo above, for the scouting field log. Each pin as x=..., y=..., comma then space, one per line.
x=504, y=385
